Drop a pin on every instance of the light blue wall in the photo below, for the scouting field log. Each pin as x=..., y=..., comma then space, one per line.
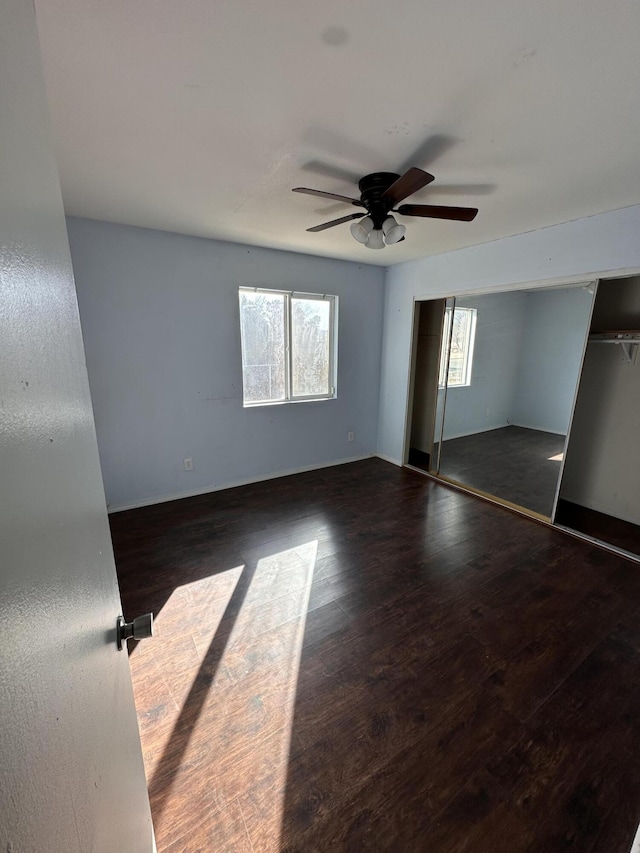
x=607, y=243
x=553, y=340
x=160, y=321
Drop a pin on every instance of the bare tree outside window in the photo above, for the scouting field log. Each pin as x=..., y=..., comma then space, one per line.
x=262, y=319
x=310, y=320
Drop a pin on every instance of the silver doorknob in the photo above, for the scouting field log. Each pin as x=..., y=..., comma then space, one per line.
x=139, y=629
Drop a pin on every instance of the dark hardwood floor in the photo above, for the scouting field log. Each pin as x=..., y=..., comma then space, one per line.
x=363, y=659
x=512, y=463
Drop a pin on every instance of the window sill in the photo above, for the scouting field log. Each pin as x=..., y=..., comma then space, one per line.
x=288, y=402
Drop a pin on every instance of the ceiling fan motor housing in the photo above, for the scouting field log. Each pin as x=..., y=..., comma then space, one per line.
x=371, y=189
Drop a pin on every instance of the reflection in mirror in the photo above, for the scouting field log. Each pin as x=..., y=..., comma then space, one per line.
x=513, y=365
x=443, y=366
x=424, y=412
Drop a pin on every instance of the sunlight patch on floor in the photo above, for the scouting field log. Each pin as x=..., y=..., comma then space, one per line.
x=216, y=687
x=163, y=667
x=262, y=662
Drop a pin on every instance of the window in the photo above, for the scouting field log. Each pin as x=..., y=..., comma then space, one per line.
x=462, y=341
x=288, y=346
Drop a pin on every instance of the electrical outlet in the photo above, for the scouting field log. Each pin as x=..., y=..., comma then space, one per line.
x=188, y=464
x=351, y=436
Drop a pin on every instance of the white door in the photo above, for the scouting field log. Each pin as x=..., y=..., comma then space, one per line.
x=71, y=771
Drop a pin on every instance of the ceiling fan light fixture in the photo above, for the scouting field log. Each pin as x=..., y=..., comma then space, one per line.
x=376, y=240
x=392, y=230
x=361, y=230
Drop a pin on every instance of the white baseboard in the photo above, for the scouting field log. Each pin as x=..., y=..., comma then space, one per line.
x=160, y=499
x=502, y=426
x=389, y=459
x=476, y=431
x=538, y=428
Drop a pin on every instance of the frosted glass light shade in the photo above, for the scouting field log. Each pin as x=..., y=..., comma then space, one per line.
x=375, y=240
x=392, y=230
x=362, y=229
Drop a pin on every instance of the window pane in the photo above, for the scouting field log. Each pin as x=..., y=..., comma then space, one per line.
x=459, y=346
x=310, y=347
x=263, y=350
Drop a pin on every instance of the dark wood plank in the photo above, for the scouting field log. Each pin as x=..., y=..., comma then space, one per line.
x=512, y=463
x=361, y=658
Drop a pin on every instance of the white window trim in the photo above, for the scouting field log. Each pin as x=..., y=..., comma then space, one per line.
x=333, y=347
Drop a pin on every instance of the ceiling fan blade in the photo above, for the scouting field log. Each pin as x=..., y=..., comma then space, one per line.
x=335, y=196
x=465, y=189
x=408, y=184
x=434, y=211
x=337, y=221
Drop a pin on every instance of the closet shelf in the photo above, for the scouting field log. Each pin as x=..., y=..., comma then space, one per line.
x=628, y=339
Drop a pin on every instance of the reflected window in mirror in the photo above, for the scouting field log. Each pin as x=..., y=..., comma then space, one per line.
x=462, y=342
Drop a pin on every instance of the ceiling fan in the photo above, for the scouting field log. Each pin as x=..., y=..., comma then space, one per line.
x=380, y=192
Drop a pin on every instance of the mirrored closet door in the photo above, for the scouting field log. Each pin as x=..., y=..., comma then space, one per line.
x=504, y=385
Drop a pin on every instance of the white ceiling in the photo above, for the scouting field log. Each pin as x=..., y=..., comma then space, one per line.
x=199, y=116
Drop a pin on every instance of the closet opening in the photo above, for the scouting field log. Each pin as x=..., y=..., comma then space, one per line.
x=600, y=490
x=494, y=379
